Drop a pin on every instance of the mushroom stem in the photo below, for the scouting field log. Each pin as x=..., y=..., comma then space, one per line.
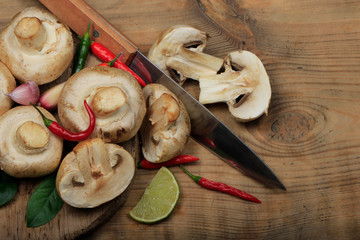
x=163, y=112
x=31, y=33
x=224, y=87
x=31, y=135
x=194, y=64
x=107, y=100
x=179, y=50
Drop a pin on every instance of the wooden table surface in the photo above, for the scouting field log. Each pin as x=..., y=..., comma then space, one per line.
x=310, y=138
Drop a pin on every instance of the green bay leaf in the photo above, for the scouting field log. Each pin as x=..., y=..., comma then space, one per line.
x=8, y=187
x=44, y=203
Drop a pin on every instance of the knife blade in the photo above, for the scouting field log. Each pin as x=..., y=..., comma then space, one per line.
x=206, y=128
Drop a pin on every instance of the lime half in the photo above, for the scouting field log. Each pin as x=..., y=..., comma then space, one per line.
x=159, y=198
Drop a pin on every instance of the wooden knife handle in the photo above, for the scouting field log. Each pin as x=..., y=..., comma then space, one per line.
x=77, y=14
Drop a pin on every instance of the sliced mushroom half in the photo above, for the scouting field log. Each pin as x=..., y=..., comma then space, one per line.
x=94, y=173
x=7, y=85
x=179, y=52
x=35, y=46
x=29, y=148
x=244, y=86
x=115, y=97
x=166, y=127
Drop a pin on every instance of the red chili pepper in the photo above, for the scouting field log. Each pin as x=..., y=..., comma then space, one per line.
x=221, y=187
x=174, y=161
x=105, y=55
x=111, y=63
x=58, y=130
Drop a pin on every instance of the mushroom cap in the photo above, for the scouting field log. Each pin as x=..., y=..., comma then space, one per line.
x=94, y=173
x=7, y=85
x=39, y=53
x=166, y=127
x=29, y=148
x=180, y=48
x=247, y=91
x=115, y=97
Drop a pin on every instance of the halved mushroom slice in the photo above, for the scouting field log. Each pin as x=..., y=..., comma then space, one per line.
x=166, y=127
x=35, y=46
x=115, y=97
x=94, y=173
x=246, y=89
x=29, y=148
x=7, y=85
x=178, y=51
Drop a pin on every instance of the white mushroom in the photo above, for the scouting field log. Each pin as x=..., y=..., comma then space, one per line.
x=35, y=46
x=27, y=147
x=246, y=89
x=166, y=127
x=115, y=97
x=7, y=85
x=94, y=173
x=180, y=49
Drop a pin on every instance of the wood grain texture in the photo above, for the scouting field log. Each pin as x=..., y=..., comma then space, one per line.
x=310, y=138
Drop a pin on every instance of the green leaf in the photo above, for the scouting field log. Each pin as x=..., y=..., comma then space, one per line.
x=8, y=187
x=44, y=203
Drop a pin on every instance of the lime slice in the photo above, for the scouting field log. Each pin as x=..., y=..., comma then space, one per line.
x=159, y=198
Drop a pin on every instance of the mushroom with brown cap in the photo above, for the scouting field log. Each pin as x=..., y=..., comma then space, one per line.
x=94, y=173
x=115, y=97
x=244, y=86
x=7, y=85
x=166, y=127
x=29, y=148
x=180, y=49
x=35, y=46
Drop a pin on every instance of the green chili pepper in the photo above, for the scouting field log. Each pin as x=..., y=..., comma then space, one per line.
x=82, y=51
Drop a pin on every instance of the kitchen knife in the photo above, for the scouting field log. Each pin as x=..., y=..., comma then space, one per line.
x=206, y=128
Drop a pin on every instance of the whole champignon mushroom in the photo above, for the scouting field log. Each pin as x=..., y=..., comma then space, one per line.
x=115, y=97
x=180, y=49
x=246, y=89
x=166, y=127
x=7, y=85
x=94, y=173
x=35, y=46
x=27, y=147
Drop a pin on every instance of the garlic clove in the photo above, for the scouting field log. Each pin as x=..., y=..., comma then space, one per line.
x=49, y=99
x=26, y=93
